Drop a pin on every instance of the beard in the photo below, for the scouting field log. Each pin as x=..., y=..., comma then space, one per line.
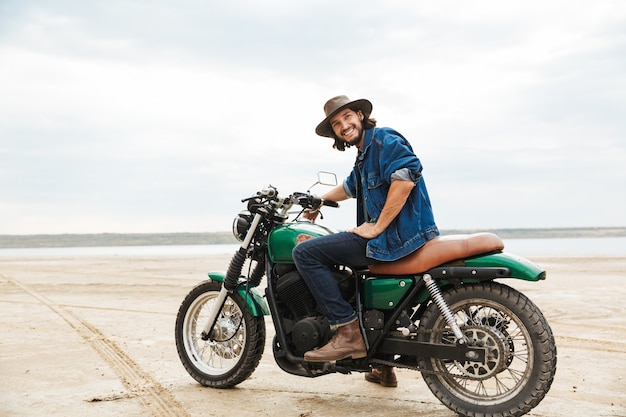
x=355, y=140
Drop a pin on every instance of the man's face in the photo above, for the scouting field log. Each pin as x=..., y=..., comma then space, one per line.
x=348, y=126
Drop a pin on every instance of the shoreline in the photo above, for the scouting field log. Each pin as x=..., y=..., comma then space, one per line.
x=609, y=247
x=212, y=238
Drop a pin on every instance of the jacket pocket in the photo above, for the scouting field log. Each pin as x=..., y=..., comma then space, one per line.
x=374, y=181
x=375, y=195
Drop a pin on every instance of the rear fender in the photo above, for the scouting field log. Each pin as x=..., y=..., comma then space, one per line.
x=483, y=268
x=254, y=300
x=520, y=268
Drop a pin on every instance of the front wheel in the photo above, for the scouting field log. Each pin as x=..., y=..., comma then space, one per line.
x=521, y=353
x=236, y=345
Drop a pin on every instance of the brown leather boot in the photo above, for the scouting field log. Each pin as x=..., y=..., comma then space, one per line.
x=347, y=342
x=383, y=375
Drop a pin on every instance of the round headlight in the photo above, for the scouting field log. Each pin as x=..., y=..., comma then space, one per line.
x=241, y=224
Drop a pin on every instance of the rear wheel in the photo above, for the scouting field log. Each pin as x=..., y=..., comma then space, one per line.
x=236, y=345
x=521, y=353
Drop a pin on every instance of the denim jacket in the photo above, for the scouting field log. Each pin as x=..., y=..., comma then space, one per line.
x=384, y=153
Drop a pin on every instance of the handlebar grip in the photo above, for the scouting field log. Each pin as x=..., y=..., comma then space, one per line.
x=269, y=192
x=331, y=203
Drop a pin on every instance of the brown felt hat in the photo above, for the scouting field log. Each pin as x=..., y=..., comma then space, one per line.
x=334, y=105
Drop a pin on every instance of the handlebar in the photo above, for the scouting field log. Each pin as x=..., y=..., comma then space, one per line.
x=331, y=203
x=309, y=201
x=268, y=201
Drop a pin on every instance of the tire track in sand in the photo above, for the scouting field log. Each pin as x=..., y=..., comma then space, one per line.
x=139, y=383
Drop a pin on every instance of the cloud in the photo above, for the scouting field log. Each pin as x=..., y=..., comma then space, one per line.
x=160, y=116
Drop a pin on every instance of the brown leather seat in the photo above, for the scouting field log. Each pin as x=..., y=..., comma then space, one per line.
x=440, y=250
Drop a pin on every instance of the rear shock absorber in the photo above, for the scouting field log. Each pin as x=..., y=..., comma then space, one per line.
x=435, y=294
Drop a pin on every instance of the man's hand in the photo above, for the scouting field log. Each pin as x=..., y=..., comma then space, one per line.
x=337, y=194
x=311, y=214
x=398, y=193
x=366, y=230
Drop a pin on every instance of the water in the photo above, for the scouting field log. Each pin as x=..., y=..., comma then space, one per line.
x=577, y=247
x=163, y=250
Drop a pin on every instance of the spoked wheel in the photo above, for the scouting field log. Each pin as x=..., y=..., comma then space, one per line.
x=235, y=348
x=521, y=353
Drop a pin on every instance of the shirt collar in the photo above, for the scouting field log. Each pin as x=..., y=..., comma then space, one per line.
x=367, y=141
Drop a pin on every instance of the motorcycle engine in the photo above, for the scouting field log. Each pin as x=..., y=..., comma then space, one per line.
x=308, y=327
x=309, y=333
x=295, y=294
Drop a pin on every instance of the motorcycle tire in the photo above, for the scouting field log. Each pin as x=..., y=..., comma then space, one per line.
x=236, y=345
x=521, y=352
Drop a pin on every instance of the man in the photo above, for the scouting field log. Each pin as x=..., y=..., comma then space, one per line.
x=394, y=219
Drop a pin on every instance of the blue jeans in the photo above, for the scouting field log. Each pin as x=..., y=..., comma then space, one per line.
x=314, y=259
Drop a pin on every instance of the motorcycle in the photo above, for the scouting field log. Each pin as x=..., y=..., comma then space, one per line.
x=482, y=347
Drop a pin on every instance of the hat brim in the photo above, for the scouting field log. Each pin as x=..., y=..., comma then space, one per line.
x=324, y=128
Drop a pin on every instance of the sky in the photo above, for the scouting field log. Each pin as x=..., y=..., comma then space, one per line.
x=148, y=116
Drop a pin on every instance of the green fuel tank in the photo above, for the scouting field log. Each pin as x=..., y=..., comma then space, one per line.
x=282, y=239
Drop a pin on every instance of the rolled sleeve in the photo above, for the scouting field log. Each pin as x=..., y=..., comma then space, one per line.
x=402, y=174
x=346, y=188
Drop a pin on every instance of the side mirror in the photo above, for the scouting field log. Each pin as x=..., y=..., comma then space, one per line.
x=325, y=178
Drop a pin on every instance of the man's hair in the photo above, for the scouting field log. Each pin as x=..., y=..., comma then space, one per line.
x=367, y=122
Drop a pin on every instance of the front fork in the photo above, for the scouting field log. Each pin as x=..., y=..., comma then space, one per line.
x=210, y=323
x=435, y=294
x=232, y=276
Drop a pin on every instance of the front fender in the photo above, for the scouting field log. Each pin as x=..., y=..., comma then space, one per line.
x=253, y=299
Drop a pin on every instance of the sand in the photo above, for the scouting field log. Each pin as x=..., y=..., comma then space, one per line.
x=94, y=336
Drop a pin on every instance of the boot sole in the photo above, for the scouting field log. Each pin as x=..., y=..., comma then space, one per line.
x=382, y=384
x=352, y=356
